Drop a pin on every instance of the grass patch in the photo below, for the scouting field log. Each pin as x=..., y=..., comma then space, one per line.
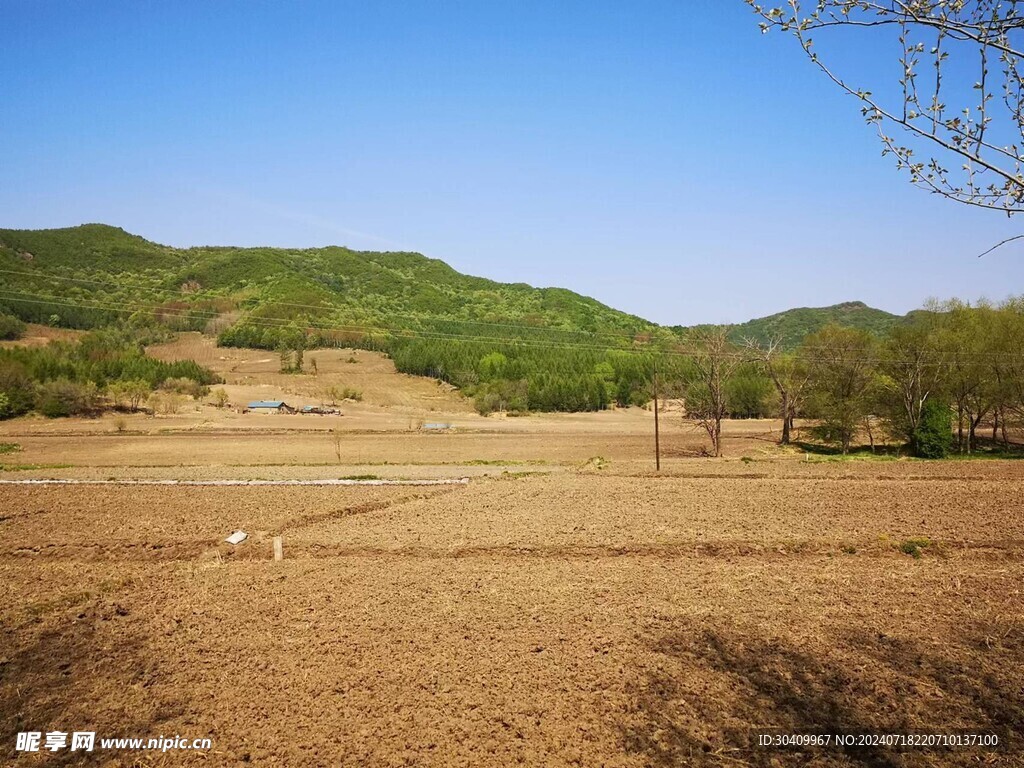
x=496, y=462
x=9, y=447
x=59, y=603
x=470, y=463
x=857, y=453
x=983, y=454
x=838, y=457
x=30, y=467
x=361, y=477
x=73, y=599
x=986, y=450
x=913, y=547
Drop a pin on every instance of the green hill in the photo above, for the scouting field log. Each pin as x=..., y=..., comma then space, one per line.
x=85, y=276
x=508, y=344
x=794, y=324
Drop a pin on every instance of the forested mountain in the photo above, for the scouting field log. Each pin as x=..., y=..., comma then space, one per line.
x=510, y=345
x=333, y=286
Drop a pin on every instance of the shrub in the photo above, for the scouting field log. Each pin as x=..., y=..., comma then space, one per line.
x=17, y=387
x=166, y=402
x=934, y=434
x=11, y=328
x=748, y=396
x=220, y=397
x=913, y=547
x=185, y=386
x=128, y=394
x=62, y=397
x=501, y=395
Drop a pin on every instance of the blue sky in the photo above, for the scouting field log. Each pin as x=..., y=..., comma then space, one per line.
x=663, y=157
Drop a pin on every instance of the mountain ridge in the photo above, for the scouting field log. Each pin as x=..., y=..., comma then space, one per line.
x=324, y=285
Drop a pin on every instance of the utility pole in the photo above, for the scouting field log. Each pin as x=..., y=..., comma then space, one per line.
x=657, y=440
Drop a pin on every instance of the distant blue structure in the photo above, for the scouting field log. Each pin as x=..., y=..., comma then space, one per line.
x=319, y=410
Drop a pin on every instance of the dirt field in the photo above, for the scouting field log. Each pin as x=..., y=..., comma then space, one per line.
x=571, y=619
x=565, y=607
x=254, y=374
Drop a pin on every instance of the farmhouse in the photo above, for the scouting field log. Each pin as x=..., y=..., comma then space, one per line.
x=270, y=406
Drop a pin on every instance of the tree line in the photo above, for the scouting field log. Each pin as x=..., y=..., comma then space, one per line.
x=930, y=384
x=108, y=367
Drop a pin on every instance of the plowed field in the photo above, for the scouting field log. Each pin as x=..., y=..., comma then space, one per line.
x=573, y=618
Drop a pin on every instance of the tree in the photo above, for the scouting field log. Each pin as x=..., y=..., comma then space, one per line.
x=842, y=373
x=136, y=391
x=333, y=394
x=285, y=354
x=492, y=366
x=501, y=395
x=1006, y=361
x=605, y=371
x=966, y=336
x=10, y=327
x=747, y=393
x=969, y=128
x=220, y=397
x=934, y=431
x=714, y=362
x=912, y=371
x=789, y=375
x=62, y=397
x=17, y=386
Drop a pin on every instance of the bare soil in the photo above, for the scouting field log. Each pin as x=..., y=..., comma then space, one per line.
x=571, y=619
x=254, y=374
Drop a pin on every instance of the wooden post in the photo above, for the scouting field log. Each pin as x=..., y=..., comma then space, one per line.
x=278, y=548
x=657, y=439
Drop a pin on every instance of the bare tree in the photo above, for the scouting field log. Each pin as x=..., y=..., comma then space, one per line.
x=788, y=374
x=714, y=362
x=960, y=99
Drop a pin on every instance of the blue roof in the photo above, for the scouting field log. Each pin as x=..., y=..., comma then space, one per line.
x=266, y=403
